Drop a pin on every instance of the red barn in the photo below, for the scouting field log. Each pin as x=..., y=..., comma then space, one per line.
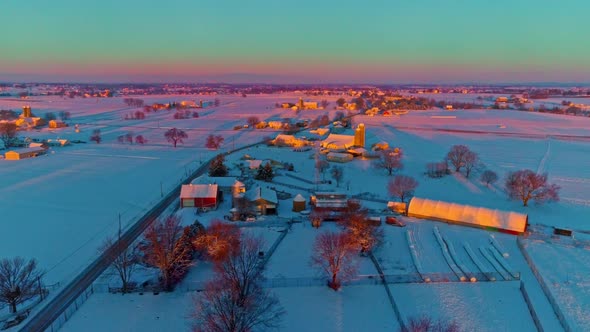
x=199, y=195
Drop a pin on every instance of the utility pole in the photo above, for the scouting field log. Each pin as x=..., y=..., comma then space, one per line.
x=161, y=189
x=40, y=288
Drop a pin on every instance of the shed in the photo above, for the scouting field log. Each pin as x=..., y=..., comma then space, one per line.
x=265, y=200
x=298, y=203
x=199, y=195
x=504, y=221
x=24, y=153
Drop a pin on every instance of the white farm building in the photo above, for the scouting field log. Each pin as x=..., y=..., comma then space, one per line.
x=503, y=221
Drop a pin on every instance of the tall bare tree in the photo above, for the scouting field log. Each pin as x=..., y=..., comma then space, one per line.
x=124, y=257
x=335, y=255
x=175, y=136
x=235, y=300
x=20, y=281
x=470, y=162
x=456, y=156
x=163, y=250
x=389, y=160
x=364, y=234
x=218, y=241
x=337, y=173
x=526, y=185
x=402, y=186
x=8, y=133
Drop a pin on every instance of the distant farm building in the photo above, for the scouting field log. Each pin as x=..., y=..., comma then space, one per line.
x=199, y=195
x=298, y=203
x=288, y=140
x=504, y=221
x=264, y=200
x=58, y=142
x=24, y=153
x=397, y=207
x=339, y=157
x=331, y=201
x=57, y=124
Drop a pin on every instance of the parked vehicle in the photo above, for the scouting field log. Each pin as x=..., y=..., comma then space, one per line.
x=391, y=220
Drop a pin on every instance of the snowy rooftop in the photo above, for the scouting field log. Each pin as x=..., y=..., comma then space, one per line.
x=198, y=190
x=225, y=181
x=262, y=193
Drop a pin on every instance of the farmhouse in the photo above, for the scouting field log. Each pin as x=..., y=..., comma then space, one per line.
x=225, y=184
x=58, y=142
x=264, y=200
x=199, y=195
x=503, y=221
x=24, y=153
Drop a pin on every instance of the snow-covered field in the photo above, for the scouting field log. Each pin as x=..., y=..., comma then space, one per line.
x=58, y=208
x=565, y=270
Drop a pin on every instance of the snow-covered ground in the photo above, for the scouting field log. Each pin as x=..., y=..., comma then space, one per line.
x=474, y=307
x=565, y=269
x=58, y=208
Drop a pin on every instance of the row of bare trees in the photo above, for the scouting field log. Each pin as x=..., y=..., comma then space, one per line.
x=234, y=299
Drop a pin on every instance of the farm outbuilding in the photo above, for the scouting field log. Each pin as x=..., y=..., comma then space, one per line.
x=24, y=153
x=264, y=200
x=504, y=221
x=298, y=203
x=199, y=195
x=339, y=157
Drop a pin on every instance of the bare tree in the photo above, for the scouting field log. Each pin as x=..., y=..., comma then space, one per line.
x=65, y=115
x=214, y=141
x=335, y=254
x=8, y=133
x=526, y=185
x=19, y=281
x=337, y=173
x=402, y=186
x=139, y=139
x=321, y=164
x=218, y=241
x=426, y=324
x=235, y=300
x=324, y=103
x=124, y=259
x=253, y=121
x=163, y=250
x=488, y=177
x=456, y=156
x=471, y=161
x=389, y=160
x=364, y=235
x=175, y=136
x=96, y=136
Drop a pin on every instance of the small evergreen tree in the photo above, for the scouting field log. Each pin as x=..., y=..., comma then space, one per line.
x=217, y=166
x=265, y=173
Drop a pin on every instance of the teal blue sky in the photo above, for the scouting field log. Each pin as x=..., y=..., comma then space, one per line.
x=296, y=41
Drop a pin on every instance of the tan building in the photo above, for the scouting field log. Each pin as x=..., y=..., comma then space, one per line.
x=24, y=153
x=298, y=203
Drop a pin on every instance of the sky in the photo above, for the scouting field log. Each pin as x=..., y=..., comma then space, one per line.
x=295, y=41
